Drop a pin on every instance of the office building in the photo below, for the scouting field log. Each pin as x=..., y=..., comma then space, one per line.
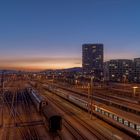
x=136, y=70
x=92, y=59
x=119, y=70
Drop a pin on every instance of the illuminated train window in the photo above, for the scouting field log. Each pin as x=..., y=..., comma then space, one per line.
x=96, y=109
x=103, y=112
x=111, y=115
x=99, y=110
x=132, y=125
x=106, y=113
x=138, y=127
x=115, y=117
x=120, y=120
x=125, y=122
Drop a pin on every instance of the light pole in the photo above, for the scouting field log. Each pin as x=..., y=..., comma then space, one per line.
x=124, y=80
x=2, y=82
x=2, y=97
x=89, y=98
x=91, y=95
x=134, y=90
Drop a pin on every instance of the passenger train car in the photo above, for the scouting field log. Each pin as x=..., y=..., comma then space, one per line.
x=38, y=100
x=54, y=118
x=126, y=121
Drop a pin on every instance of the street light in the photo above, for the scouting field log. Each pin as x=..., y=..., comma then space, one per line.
x=134, y=90
x=89, y=97
x=91, y=93
x=124, y=81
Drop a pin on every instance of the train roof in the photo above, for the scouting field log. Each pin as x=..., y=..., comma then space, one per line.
x=37, y=95
x=50, y=111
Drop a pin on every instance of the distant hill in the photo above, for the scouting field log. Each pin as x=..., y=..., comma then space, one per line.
x=8, y=71
x=75, y=69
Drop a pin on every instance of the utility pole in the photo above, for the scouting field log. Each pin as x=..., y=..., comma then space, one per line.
x=2, y=82
x=2, y=94
x=89, y=85
x=91, y=96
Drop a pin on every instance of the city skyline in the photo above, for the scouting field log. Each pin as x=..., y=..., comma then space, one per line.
x=49, y=34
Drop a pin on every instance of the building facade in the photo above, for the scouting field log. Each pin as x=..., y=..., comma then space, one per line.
x=136, y=70
x=119, y=70
x=106, y=71
x=92, y=59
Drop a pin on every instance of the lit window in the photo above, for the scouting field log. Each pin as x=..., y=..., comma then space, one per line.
x=99, y=110
x=96, y=109
x=113, y=75
x=125, y=122
x=111, y=115
x=103, y=112
x=93, y=47
x=120, y=120
x=115, y=117
x=132, y=125
x=138, y=127
x=106, y=113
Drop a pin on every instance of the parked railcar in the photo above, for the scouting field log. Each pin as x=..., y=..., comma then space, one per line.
x=33, y=84
x=53, y=117
x=81, y=103
x=38, y=100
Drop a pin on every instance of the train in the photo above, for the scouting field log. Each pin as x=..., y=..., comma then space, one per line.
x=33, y=83
x=38, y=100
x=52, y=118
x=127, y=122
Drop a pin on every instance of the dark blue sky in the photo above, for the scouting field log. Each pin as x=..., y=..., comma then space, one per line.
x=53, y=30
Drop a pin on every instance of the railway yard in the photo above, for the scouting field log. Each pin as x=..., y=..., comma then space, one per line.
x=19, y=118
x=44, y=110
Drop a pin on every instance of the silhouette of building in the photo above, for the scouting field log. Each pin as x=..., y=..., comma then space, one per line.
x=119, y=70
x=136, y=70
x=92, y=59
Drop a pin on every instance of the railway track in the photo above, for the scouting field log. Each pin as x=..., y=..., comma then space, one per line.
x=92, y=131
x=12, y=117
x=11, y=100
x=108, y=93
x=73, y=131
x=33, y=134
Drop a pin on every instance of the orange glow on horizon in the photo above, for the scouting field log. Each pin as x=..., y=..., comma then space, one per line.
x=36, y=68
x=34, y=64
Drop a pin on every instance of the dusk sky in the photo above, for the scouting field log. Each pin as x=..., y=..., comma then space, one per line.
x=41, y=34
